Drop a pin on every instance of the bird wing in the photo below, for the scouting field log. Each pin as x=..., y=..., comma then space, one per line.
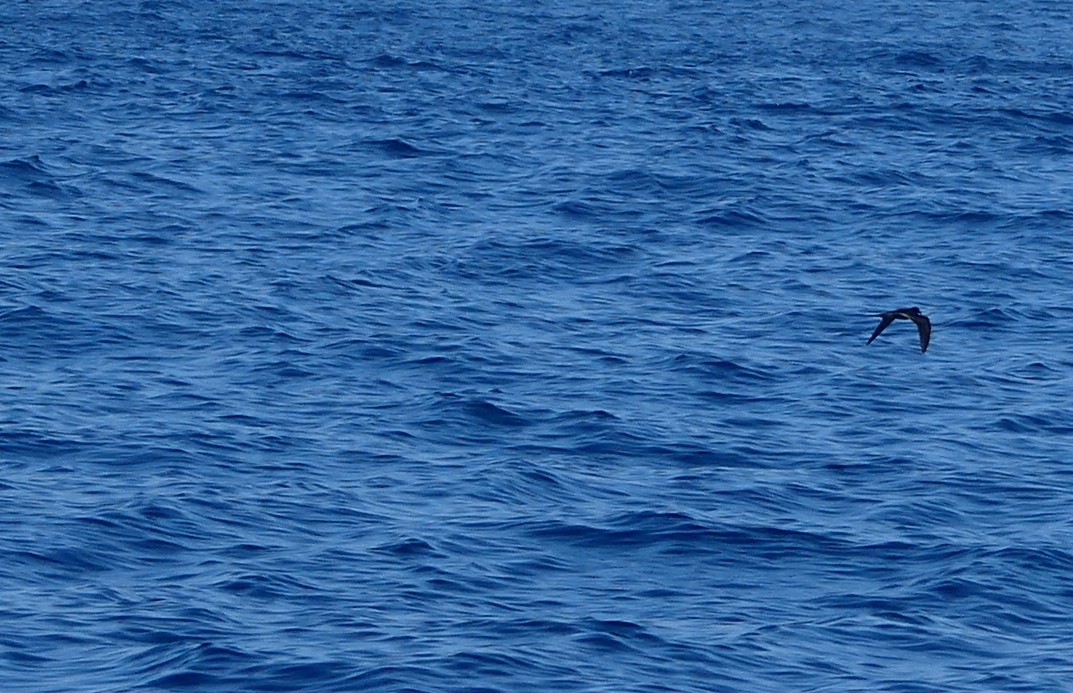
x=924, y=328
x=888, y=318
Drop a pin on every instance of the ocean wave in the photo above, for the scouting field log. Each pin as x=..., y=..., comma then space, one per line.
x=396, y=348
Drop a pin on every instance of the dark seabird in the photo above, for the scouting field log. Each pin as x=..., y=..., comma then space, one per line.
x=914, y=314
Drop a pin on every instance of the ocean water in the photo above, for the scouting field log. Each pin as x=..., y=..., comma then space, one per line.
x=480, y=346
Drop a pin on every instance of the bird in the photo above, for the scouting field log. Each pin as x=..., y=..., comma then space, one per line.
x=914, y=314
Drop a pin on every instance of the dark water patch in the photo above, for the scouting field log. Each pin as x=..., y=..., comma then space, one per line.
x=734, y=218
x=398, y=148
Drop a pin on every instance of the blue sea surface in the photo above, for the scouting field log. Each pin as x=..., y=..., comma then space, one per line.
x=479, y=346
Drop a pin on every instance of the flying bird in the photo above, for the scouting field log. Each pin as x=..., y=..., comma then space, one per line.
x=914, y=314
